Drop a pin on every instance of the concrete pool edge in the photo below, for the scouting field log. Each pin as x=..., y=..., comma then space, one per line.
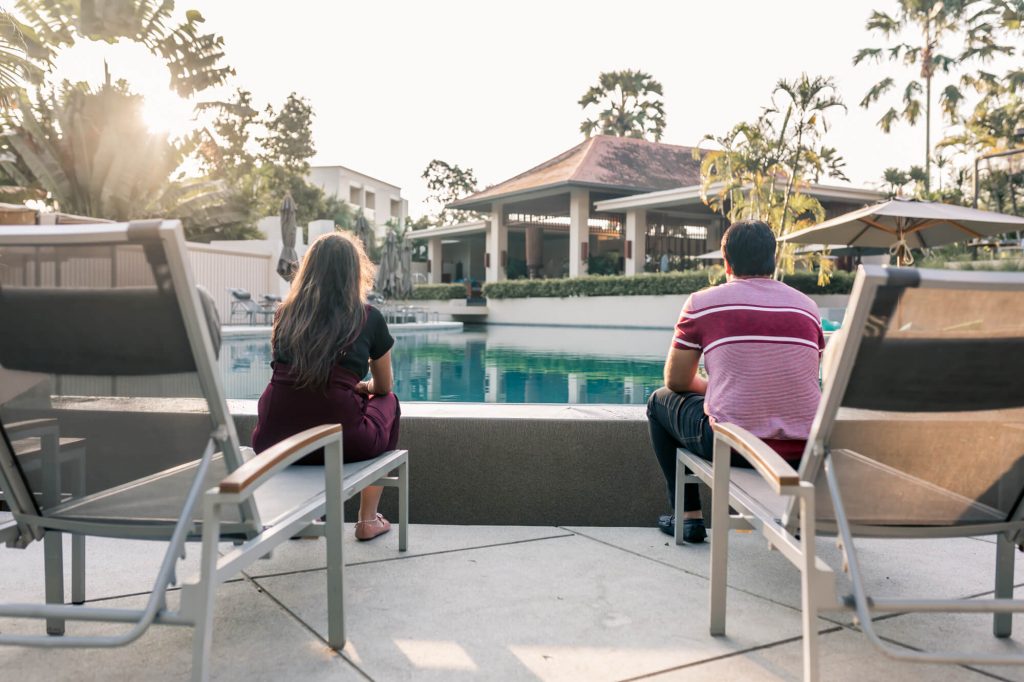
x=487, y=464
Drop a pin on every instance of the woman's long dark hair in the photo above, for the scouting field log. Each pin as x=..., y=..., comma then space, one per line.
x=324, y=310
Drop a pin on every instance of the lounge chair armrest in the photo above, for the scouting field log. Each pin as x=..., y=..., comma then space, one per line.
x=766, y=461
x=31, y=427
x=284, y=452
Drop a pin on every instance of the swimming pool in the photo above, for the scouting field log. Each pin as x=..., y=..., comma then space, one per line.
x=500, y=364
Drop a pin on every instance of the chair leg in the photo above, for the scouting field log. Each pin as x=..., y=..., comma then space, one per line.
x=680, y=482
x=719, y=535
x=78, y=541
x=202, y=637
x=77, y=568
x=53, y=566
x=403, y=506
x=334, y=532
x=1005, y=549
x=808, y=606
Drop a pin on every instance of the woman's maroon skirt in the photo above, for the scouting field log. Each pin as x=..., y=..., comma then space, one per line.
x=369, y=423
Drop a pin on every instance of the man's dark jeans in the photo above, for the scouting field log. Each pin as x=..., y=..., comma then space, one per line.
x=677, y=420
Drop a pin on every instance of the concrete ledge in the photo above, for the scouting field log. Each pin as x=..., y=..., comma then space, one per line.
x=470, y=463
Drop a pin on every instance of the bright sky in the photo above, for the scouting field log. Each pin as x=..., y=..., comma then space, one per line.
x=494, y=86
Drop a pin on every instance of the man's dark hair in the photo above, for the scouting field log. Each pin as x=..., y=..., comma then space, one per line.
x=749, y=246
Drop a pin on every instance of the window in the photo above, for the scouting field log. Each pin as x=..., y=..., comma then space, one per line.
x=353, y=195
x=370, y=200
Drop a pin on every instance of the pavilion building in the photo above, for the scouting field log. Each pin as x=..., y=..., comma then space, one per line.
x=608, y=205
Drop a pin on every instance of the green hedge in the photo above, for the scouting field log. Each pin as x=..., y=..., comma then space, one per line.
x=438, y=292
x=648, y=284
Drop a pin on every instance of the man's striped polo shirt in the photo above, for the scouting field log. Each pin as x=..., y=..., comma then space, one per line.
x=762, y=343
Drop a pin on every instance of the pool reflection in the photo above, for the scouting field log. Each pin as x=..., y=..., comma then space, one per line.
x=497, y=364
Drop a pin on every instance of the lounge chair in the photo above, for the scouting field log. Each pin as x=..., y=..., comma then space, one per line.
x=919, y=434
x=242, y=306
x=113, y=311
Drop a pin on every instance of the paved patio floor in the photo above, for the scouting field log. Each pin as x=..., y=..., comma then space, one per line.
x=518, y=603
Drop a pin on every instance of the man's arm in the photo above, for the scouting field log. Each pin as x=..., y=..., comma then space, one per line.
x=681, y=371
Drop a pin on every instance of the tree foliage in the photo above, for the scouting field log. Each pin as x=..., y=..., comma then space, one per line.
x=628, y=104
x=447, y=183
x=18, y=44
x=89, y=152
x=760, y=169
x=194, y=59
x=916, y=36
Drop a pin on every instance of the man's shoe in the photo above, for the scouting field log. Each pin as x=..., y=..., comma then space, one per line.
x=667, y=524
x=693, y=531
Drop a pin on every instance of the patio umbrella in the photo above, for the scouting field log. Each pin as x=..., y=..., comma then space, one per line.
x=288, y=263
x=364, y=231
x=841, y=250
x=405, y=269
x=903, y=224
x=389, y=269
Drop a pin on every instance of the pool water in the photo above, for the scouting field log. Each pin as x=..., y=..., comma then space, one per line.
x=500, y=364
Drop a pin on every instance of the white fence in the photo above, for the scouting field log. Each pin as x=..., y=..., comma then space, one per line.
x=217, y=269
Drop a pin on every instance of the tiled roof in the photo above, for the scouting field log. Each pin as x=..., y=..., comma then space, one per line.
x=615, y=163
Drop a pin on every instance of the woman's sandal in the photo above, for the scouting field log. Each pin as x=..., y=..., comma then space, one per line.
x=368, y=530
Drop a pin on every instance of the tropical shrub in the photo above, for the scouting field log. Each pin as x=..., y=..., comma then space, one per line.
x=438, y=292
x=661, y=284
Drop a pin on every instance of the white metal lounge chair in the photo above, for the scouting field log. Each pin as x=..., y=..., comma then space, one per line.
x=919, y=434
x=112, y=310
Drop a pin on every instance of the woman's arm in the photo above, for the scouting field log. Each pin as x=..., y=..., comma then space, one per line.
x=380, y=382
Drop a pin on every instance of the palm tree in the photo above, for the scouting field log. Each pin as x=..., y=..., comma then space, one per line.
x=803, y=125
x=17, y=45
x=194, y=59
x=930, y=21
x=631, y=105
x=91, y=153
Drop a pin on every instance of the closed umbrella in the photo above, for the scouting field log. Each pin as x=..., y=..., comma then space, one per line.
x=364, y=231
x=288, y=263
x=389, y=269
x=900, y=225
x=405, y=268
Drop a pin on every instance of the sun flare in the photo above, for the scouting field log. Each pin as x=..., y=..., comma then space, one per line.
x=165, y=112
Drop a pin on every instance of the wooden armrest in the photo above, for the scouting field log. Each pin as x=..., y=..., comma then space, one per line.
x=767, y=462
x=29, y=427
x=244, y=476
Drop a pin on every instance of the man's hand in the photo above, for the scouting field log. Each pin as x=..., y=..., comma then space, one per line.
x=681, y=371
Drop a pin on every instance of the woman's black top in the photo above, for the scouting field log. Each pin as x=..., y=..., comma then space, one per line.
x=373, y=342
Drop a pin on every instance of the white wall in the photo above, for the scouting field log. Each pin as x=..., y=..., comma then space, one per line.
x=648, y=312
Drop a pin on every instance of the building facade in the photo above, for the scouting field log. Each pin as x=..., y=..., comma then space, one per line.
x=610, y=205
x=380, y=201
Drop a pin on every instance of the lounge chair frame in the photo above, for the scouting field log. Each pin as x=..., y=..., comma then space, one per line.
x=793, y=532
x=254, y=537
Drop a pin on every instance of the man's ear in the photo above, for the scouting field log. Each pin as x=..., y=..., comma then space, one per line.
x=728, y=268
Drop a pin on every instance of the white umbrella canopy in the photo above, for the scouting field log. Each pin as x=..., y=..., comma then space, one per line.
x=904, y=224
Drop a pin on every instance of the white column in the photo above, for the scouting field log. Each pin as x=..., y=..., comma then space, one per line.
x=636, y=236
x=579, y=231
x=434, y=260
x=577, y=387
x=497, y=245
x=434, y=380
x=494, y=388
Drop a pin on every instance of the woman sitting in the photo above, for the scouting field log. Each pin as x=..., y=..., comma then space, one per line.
x=325, y=336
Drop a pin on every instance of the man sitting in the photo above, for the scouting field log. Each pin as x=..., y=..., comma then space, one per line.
x=761, y=342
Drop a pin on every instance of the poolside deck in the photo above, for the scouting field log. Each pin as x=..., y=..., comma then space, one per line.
x=518, y=603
